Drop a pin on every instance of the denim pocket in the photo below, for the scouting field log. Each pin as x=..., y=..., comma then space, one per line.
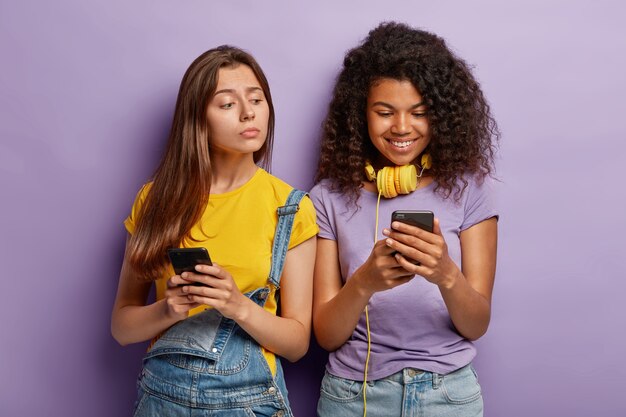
x=461, y=386
x=340, y=389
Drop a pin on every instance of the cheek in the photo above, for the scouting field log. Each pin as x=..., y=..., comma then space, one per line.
x=263, y=116
x=376, y=127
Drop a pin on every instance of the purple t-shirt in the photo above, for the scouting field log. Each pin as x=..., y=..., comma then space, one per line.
x=409, y=324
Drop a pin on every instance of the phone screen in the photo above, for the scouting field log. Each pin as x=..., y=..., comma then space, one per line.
x=186, y=259
x=418, y=218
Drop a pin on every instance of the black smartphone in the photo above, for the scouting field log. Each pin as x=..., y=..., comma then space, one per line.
x=186, y=259
x=420, y=218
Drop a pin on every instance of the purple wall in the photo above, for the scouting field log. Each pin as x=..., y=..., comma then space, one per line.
x=86, y=95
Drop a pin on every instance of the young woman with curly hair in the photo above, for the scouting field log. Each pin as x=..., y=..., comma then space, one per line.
x=400, y=310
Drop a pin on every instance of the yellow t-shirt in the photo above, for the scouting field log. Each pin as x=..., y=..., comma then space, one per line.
x=237, y=228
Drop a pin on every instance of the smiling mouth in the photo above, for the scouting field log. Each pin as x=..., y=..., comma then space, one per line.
x=401, y=143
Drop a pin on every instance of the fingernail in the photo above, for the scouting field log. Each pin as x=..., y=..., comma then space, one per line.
x=388, y=242
x=386, y=232
x=184, y=275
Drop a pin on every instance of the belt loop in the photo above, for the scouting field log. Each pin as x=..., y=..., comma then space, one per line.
x=437, y=380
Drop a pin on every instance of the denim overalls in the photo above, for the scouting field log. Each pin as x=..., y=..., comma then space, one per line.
x=206, y=365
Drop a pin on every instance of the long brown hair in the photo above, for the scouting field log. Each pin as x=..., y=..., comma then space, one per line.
x=182, y=182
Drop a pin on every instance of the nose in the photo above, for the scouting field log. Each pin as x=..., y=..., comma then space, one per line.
x=401, y=125
x=247, y=113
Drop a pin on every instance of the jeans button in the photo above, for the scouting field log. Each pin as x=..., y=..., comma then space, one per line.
x=411, y=372
x=272, y=390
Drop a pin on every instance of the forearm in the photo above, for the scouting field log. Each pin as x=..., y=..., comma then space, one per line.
x=286, y=337
x=134, y=323
x=335, y=321
x=469, y=310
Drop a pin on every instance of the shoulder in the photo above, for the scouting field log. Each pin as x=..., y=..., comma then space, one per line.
x=478, y=200
x=476, y=186
x=323, y=192
x=137, y=207
x=280, y=190
x=141, y=195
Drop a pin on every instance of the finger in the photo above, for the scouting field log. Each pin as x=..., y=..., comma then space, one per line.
x=197, y=278
x=413, y=250
x=409, y=265
x=411, y=241
x=414, y=231
x=175, y=281
x=381, y=248
x=203, y=291
x=213, y=270
x=186, y=300
x=437, y=227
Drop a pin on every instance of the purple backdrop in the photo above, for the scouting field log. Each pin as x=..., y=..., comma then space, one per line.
x=86, y=96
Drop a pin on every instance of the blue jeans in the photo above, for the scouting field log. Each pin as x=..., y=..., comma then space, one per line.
x=180, y=385
x=408, y=393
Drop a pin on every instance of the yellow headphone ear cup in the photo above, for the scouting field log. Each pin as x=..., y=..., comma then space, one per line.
x=369, y=172
x=407, y=179
x=390, y=182
x=394, y=180
x=385, y=182
x=380, y=181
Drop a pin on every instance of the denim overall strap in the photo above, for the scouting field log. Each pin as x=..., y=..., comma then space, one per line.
x=286, y=214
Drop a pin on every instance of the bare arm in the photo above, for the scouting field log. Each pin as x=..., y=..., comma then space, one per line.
x=132, y=320
x=287, y=335
x=467, y=291
x=337, y=308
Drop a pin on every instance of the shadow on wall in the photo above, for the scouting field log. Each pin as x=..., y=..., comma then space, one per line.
x=303, y=380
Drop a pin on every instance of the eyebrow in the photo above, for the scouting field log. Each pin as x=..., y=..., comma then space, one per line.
x=232, y=91
x=382, y=103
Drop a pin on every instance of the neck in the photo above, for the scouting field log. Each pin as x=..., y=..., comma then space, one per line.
x=230, y=173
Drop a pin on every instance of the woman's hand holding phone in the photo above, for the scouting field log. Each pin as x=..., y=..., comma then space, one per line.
x=381, y=271
x=217, y=289
x=176, y=301
x=428, y=251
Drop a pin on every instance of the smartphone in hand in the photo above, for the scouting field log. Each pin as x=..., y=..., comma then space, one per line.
x=423, y=219
x=186, y=259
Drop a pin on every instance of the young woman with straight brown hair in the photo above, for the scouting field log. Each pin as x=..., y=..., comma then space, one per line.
x=215, y=332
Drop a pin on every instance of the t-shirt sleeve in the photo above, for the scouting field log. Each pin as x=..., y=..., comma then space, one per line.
x=304, y=225
x=131, y=221
x=480, y=204
x=324, y=219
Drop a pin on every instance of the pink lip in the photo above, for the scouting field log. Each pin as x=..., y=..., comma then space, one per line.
x=250, y=132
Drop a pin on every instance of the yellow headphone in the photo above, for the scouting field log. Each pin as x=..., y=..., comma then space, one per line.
x=394, y=180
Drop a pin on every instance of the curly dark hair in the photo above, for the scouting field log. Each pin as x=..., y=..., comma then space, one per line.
x=463, y=132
